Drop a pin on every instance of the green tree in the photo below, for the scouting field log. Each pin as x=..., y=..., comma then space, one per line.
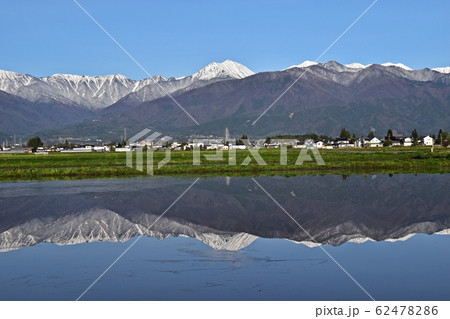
x=313, y=136
x=67, y=145
x=387, y=142
x=240, y=142
x=415, y=137
x=344, y=134
x=440, y=137
x=371, y=134
x=389, y=134
x=443, y=138
x=35, y=142
x=168, y=144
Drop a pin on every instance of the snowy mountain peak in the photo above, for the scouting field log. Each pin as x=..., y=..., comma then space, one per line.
x=11, y=81
x=158, y=78
x=8, y=74
x=304, y=64
x=356, y=65
x=399, y=65
x=225, y=69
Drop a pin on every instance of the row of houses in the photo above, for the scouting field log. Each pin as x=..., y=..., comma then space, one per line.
x=46, y=150
x=217, y=144
x=345, y=143
x=85, y=149
x=376, y=142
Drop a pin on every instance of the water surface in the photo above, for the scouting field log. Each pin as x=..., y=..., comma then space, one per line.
x=225, y=239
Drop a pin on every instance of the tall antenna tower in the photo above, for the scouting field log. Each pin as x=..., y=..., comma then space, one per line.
x=227, y=135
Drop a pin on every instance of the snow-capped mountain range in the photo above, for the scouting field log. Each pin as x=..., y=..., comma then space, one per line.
x=78, y=211
x=99, y=225
x=359, y=66
x=98, y=92
x=105, y=225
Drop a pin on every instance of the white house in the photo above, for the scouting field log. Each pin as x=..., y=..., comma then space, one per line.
x=175, y=145
x=101, y=148
x=341, y=143
x=196, y=144
x=361, y=142
x=237, y=147
x=427, y=140
x=407, y=141
x=319, y=144
x=80, y=150
x=396, y=142
x=375, y=142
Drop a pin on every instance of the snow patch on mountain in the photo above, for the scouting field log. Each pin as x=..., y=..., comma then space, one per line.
x=356, y=65
x=400, y=235
x=398, y=65
x=444, y=232
x=304, y=64
x=445, y=70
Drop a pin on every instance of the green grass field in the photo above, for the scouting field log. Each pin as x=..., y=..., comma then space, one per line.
x=345, y=162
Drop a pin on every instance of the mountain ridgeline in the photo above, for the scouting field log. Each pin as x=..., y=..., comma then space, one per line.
x=325, y=98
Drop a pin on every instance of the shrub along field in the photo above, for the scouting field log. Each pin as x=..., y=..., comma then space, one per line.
x=343, y=161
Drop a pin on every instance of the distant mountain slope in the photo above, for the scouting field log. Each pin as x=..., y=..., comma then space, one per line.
x=3, y=136
x=21, y=117
x=34, y=104
x=327, y=97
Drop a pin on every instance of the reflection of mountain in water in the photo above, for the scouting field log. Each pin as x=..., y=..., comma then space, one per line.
x=105, y=225
x=332, y=209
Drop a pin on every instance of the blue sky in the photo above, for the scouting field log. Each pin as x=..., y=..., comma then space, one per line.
x=176, y=38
